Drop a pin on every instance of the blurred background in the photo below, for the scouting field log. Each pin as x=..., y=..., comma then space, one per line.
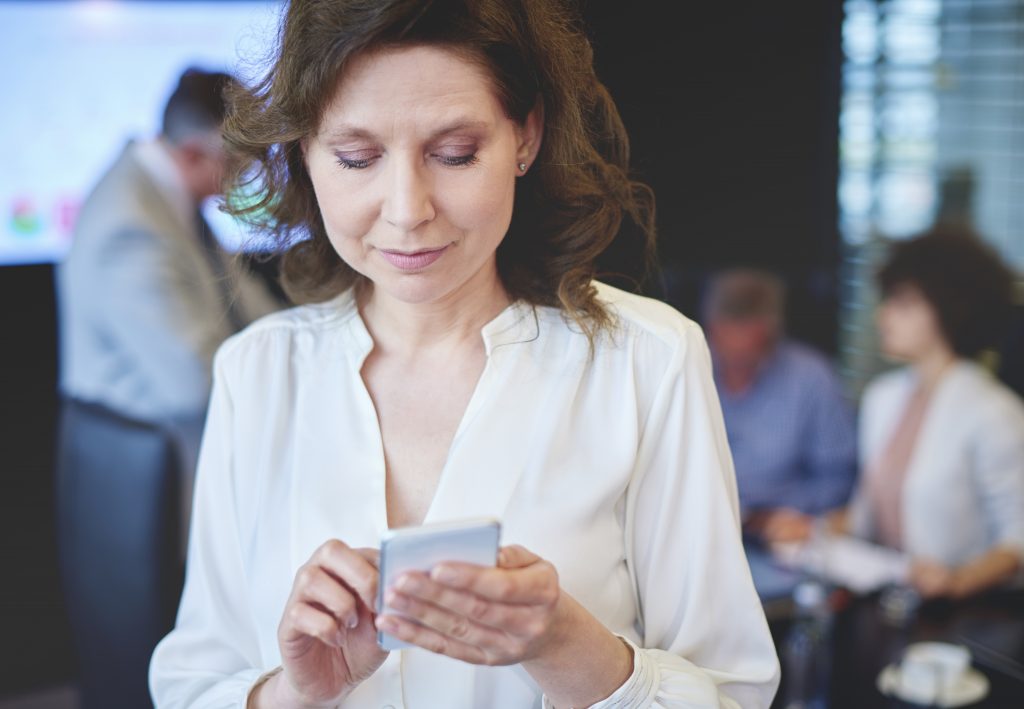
x=797, y=137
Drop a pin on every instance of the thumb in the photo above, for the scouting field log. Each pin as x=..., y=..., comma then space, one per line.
x=516, y=557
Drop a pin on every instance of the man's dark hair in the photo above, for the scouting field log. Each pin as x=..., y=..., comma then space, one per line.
x=197, y=104
x=963, y=279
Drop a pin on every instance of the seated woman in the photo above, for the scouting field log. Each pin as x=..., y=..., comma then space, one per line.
x=942, y=441
x=446, y=174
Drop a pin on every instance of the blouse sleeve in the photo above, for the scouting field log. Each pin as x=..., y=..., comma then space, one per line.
x=704, y=638
x=211, y=658
x=999, y=473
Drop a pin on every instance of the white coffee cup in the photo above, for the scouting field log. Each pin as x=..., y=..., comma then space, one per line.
x=930, y=672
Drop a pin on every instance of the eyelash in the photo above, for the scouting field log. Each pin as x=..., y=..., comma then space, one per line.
x=353, y=164
x=458, y=161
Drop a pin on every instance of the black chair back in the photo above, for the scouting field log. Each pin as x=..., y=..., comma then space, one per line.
x=118, y=516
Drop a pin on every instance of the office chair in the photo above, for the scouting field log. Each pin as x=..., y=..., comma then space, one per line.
x=118, y=517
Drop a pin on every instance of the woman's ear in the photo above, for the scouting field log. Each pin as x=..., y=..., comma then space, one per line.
x=531, y=134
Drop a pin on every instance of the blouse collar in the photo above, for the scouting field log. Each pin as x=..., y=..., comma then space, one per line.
x=518, y=323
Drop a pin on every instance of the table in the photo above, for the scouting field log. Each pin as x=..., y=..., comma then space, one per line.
x=992, y=626
x=864, y=641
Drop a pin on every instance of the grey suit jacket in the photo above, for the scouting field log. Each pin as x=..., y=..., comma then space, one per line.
x=141, y=311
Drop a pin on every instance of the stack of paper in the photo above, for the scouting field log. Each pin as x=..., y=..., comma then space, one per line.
x=853, y=563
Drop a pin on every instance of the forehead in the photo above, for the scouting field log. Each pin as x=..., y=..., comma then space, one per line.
x=417, y=86
x=904, y=291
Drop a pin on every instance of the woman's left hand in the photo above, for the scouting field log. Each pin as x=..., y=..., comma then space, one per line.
x=931, y=579
x=486, y=616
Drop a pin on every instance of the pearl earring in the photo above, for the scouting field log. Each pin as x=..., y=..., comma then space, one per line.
x=522, y=167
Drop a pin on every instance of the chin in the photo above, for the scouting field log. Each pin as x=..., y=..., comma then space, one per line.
x=413, y=289
x=894, y=358
x=895, y=354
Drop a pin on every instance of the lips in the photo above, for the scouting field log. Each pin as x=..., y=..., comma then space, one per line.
x=412, y=260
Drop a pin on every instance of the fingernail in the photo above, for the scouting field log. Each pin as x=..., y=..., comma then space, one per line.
x=352, y=622
x=396, y=601
x=443, y=574
x=386, y=623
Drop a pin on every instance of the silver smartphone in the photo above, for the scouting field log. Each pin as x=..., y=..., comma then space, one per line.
x=473, y=541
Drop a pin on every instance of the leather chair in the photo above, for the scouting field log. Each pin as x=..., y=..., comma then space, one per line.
x=118, y=517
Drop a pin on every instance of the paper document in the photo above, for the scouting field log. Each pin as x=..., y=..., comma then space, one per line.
x=858, y=565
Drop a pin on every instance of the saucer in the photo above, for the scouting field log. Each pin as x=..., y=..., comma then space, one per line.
x=973, y=686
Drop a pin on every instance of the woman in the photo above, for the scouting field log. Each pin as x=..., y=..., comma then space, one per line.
x=458, y=168
x=942, y=442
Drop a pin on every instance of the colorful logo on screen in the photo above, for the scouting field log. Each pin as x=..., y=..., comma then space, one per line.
x=25, y=218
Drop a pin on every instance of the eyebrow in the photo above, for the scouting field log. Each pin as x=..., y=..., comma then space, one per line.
x=347, y=131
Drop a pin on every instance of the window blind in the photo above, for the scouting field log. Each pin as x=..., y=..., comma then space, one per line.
x=931, y=126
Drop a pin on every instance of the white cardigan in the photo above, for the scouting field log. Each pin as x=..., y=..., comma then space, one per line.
x=964, y=490
x=615, y=468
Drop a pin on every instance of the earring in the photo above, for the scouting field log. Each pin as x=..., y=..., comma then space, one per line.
x=522, y=167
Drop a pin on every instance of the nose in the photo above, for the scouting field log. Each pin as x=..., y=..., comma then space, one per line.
x=408, y=202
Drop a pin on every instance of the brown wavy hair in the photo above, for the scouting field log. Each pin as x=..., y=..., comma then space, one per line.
x=568, y=209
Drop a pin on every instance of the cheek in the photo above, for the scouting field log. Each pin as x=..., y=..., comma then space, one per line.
x=908, y=330
x=347, y=213
x=894, y=328
x=478, y=203
x=926, y=327
x=479, y=200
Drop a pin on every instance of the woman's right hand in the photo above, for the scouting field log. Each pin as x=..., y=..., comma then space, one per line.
x=327, y=637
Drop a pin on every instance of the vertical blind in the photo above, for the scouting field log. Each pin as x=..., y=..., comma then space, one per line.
x=931, y=126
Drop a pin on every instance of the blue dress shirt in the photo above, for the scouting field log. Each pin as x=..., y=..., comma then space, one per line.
x=792, y=434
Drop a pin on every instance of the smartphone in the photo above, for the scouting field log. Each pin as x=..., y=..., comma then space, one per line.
x=473, y=541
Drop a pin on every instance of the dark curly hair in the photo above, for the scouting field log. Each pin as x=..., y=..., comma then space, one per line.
x=964, y=280
x=568, y=209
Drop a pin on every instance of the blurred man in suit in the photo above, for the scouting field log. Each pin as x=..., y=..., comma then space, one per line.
x=790, y=429
x=146, y=295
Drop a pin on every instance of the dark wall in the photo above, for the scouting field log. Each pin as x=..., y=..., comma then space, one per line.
x=733, y=113
x=733, y=116
x=36, y=646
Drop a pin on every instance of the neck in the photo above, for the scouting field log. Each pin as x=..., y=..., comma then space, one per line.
x=739, y=375
x=931, y=366
x=182, y=166
x=405, y=329
x=737, y=379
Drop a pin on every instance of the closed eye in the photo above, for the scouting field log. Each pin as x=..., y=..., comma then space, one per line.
x=359, y=162
x=457, y=160
x=356, y=159
x=353, y=163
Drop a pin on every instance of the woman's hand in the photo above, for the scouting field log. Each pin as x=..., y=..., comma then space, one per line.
x=515, y=613
x=996, y=566
x=931, y=579
x=785, y=525
x=327, y=636
x=486, y=616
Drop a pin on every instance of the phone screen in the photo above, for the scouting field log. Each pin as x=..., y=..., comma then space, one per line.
x=421, y=548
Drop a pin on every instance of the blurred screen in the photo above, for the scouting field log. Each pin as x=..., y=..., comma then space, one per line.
x=81, y=78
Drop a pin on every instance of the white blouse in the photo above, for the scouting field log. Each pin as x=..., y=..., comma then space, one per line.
x=964, y=487
x=615, y=468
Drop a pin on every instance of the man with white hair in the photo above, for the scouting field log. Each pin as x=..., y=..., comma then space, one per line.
x=790, y=429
